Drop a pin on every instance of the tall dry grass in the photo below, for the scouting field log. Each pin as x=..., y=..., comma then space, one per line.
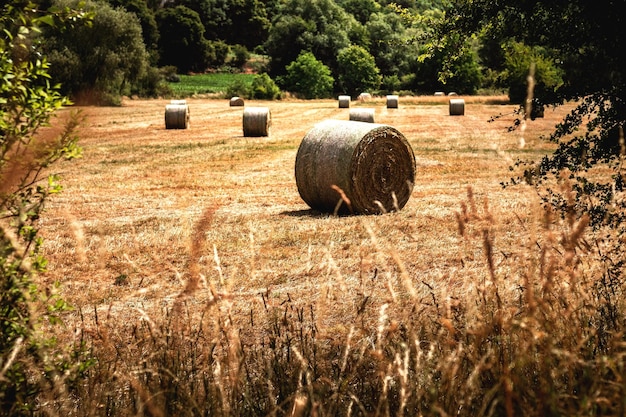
x=471, y=301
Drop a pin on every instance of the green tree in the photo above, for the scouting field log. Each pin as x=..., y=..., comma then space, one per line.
x=181, y=41
x=357, y=70
x=308, y=77
x=264, y=88
x=149, y=29
x=318, y=26
x=360, y=9
x=243, y=22
x=101, y=61
x=387, y=43
x=518, y=59
x=33, y=366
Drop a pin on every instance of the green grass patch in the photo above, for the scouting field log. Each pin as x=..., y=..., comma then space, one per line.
x=208, y=83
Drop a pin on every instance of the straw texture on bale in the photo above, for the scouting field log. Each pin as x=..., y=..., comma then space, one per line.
x=354, y=167
x=176, y=116
x=457, y=107
x=256, y=121
x=362, y=115
x=236, y=101
x=392, y=101
x=344, y=102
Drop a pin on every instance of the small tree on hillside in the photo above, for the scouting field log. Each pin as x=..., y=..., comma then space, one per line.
x=357, y=70
x=308, y=77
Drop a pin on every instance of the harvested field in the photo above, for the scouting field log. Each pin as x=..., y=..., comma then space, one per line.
x=121, y=234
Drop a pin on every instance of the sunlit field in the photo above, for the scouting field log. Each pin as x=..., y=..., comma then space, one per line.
x=208, y=287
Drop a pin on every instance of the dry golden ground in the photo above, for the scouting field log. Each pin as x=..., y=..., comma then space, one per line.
x=119, y=237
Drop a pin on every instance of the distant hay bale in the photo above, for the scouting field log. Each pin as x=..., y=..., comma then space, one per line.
x=440, y=93
x=256, y=121
x=176, y=116
x=392, y=101
x=452, y=93
x=355, y=167
x=344, y=102
x=362, y=115
x=457, y=107
x=236, y=102
x=364, y=97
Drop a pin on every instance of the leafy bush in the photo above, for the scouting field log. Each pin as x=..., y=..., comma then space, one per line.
x=241, y=55
x=264, y=88
x=357, y=70
x=308, y=77
x=239, y=88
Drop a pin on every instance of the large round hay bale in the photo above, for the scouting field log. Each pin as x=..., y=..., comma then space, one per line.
x=344, y=102
x=176, y=116
x=355, y=167
x=362, y=115
x=256, y=121
x=457, y=107
x=440, y=93
x=364, y=97
x=392, y=101
x=236, y=101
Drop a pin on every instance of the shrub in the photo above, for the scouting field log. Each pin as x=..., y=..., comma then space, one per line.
x=308, y=77
x=241, y=55
x=264, y=88
x=357, y=70
x=239, y=88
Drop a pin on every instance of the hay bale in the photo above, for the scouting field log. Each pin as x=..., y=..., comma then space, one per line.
x=370, y=165
x=452, y=93
x=344, y=102
x=440, y=93
x=362, y=115
x=256, y=121
x=457, y=107
x=236, y=101
x=176, y=116
x=392, y=101
x=364, y=97
x=178, y=102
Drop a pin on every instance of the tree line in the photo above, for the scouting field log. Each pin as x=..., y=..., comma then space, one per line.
x=345, y=46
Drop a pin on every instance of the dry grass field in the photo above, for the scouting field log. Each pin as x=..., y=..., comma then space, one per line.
x=121, y=232
x=203, y=228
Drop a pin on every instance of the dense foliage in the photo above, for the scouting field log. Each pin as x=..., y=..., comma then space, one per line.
x=100, y=61
x=220, y=35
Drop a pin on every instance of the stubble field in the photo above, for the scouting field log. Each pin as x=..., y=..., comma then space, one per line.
x=147, y=212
